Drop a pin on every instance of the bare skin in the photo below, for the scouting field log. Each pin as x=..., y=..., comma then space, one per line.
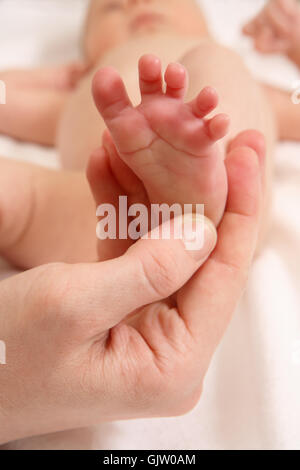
x=41, y=211
x=121, y=318
x=80, y=126
x=276, y=29
x=79, y=134
x=175, y=153
x=288, y=114
x=35, y=99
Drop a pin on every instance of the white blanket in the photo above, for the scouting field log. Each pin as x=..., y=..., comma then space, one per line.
x=252, y=393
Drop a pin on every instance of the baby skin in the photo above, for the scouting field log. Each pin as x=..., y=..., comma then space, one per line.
x=168, y=144
x=177, y=155
x=276, y=29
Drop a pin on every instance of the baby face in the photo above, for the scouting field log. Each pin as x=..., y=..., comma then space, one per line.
x=112, y=22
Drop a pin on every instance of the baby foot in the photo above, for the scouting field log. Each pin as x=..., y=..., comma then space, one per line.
x=276, y=29
x=168, y=144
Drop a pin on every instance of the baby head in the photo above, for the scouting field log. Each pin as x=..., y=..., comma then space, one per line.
x=110, y=23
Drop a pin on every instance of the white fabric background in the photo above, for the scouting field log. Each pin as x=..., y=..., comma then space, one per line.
x=252, y=393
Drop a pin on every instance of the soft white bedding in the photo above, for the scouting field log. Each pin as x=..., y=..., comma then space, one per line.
x=252, y=391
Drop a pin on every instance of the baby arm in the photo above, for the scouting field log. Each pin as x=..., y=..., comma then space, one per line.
x=34, y=100
x=51, y=217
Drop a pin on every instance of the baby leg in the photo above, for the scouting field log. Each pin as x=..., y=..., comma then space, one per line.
x=240, y=96
x=45, y=216
x=286, y=111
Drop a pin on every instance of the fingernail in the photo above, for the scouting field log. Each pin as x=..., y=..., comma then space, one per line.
x=199, y=236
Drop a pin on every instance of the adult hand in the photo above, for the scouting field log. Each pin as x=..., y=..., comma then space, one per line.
x=88, y=343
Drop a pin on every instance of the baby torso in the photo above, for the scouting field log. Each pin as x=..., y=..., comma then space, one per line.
x=81, y=127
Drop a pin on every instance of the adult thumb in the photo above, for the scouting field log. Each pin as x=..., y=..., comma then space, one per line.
x=150, y=271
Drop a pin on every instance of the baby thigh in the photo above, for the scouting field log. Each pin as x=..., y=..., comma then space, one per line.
x=240, y=96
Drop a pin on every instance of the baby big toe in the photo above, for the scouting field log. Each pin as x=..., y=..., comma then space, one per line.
x=109, y=93
x=206, y=101
x=218, y=126
x=176, y=81
x=150, y=75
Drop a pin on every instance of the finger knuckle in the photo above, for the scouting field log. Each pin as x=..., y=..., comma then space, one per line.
x=168, y=389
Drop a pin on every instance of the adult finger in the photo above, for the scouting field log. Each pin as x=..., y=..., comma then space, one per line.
x=151, y=270
x=208, y=301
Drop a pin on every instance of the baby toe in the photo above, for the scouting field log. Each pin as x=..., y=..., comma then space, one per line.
x=109, y=93
x=176, y=80
x=150, y=75
x=206, y=101
x=218, y=126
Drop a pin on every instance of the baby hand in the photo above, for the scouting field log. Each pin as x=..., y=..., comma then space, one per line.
x=276, y=29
